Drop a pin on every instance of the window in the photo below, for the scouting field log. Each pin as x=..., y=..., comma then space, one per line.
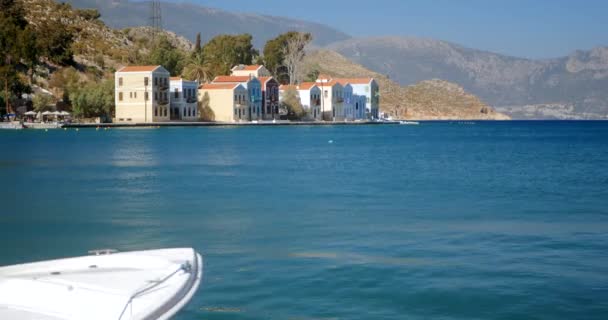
x=155, y=81
x=146, y=96
x=135, y=94
x=156, y=112
x=146, y=81
x=120, y=96
x=176, y=93
x=130, y=95
x=326, y=94
x=165, y=111
x=155, y=96
x=120, y=82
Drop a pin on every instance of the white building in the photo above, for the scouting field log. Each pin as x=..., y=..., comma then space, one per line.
x=310, y=96
x=183, y=96
x=332, y=100
x=367, y=87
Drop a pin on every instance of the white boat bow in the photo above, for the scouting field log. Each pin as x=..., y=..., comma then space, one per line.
x=139, y=285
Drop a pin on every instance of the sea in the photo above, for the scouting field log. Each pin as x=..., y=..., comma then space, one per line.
x=443, y=220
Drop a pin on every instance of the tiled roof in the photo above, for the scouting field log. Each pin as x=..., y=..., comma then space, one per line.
x=264, y=80
x=175, y=78
x=252, y=67
x=138, y=68
x=306, y=85
x=218, y=86
x=232, y=79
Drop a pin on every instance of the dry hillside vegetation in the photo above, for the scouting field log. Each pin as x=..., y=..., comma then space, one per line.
x=432, y=99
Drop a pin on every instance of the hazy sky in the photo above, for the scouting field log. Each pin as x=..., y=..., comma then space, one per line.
x=526, y=28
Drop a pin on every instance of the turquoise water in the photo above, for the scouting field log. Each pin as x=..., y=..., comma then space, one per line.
x=446, y=220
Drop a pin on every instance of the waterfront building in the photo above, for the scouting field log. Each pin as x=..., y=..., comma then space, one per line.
x=332, y=98
x=228, y=101
x=142, y=94
x=256, y=70
x=183, y=99
x=310, y=96
x=270, y=98
x=368, y=88
x=254, y=93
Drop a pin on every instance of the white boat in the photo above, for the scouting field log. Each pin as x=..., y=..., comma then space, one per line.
x=139, y=285
x=409, y=122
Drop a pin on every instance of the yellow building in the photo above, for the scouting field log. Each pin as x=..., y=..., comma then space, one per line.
x=142, y=94
x=229, y=101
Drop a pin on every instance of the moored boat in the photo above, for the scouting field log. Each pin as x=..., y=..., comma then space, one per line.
x=409, y=122
x=139, y=285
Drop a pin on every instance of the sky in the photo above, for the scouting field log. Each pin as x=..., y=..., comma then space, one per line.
x=523, y=28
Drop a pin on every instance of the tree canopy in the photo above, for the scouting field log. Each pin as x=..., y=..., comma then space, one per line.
x=275, y=52
x=167, y=55
x=225, y=51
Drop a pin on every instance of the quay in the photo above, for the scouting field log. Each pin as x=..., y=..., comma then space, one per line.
x=224, y=124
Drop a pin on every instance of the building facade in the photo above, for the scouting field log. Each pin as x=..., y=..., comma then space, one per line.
x=227, y=100
x=310, y=96
x=332, y=98
x=254, y=93
x=270, y=98
x=183, y=99
x=142, y=94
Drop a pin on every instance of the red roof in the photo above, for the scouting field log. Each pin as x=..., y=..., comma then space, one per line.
x=264, y=80
x=232, y=79
x=306, y=85
x=218, y=86
x=138, y=68
x=252, y=67
x=175, y=78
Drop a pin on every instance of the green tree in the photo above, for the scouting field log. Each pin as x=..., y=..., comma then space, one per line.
x=291, y=101
x=94, y=99
x=225, y=51
x=198, y=68
x=204, y=109
x=55, y=41
x=197, y=45
x=42, y=101
x=12, y=24
x=167, y=55
x=274, y=53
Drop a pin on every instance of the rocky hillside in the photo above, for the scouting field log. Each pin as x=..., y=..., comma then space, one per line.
x=430, y=100
x=574, y=86
x=95, y=44
x=186, y=19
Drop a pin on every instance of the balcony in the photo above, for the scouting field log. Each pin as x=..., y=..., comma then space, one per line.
x=191, y=100
x=163, y=102
x=339, y=100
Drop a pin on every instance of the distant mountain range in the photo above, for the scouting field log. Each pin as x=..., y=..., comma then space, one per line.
x=572, y=87
x=575, y=86
x=187, y=19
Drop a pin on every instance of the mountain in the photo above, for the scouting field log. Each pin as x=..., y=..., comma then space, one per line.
x=568, y=87
x=426, y=100
x=187, y=19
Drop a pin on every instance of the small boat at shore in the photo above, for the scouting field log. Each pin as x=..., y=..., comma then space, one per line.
x=139, y=285
x=411, y=123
